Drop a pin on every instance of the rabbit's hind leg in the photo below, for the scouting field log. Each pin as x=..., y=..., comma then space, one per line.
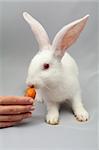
x=79, y=111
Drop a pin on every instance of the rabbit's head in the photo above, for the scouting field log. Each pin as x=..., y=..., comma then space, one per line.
x=45, y=69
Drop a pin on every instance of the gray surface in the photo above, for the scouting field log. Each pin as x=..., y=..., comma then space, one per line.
x=17, y=49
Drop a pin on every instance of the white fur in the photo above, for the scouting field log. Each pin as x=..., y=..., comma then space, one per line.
x=38, y=31
x=60, y=82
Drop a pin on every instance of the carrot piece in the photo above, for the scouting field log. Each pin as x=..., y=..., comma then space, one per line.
x=30, y=92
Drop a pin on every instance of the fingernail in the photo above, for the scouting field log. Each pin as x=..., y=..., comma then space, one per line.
x=29, y=107
x=27, y=116
x=30, y=100
x=32, y=108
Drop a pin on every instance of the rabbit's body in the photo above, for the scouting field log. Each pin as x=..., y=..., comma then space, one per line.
x=67, y=85
x=54, y=71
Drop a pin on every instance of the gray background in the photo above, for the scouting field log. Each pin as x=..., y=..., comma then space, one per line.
x=18, y=46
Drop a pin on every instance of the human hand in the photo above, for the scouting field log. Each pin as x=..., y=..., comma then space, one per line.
x=14, y=109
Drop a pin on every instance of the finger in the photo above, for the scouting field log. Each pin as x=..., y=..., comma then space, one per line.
x=15, y=109
x=15, y=117
x=4, y=100
x=8, y=124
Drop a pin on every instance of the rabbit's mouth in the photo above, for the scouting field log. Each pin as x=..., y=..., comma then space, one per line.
x=31, y=86
x=36, y=86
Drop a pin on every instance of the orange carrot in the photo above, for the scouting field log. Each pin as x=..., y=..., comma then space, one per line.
x=30, y=92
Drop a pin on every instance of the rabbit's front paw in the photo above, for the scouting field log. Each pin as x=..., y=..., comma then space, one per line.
x=81, y=115
x=52, y=119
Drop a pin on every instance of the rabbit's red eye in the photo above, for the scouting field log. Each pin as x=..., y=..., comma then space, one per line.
x=45, y=66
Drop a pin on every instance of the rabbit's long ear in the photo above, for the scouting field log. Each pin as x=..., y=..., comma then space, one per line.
x=38, y=30
x=68, y=35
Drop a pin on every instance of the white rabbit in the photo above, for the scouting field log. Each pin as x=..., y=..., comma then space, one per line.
x=55, y=72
